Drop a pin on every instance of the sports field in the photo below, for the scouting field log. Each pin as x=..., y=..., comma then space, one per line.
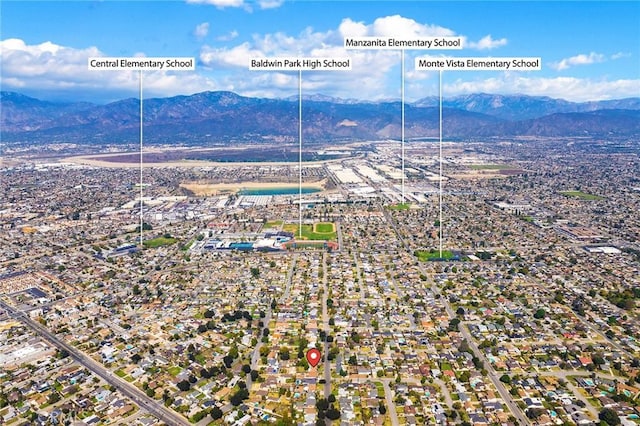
x=159, y=242
x=400, y=206
x=424, y=255
x=582, y=195
x=318, y=231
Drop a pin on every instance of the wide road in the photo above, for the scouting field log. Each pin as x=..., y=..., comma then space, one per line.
x=493, y=375
x=126, y=388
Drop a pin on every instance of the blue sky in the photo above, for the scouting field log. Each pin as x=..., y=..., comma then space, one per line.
x=589, y=50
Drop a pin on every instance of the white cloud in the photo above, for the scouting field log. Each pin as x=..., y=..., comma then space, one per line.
x=373, y=71
x=487, y=42
x=375, y=74
x=349, y=28
x=399, y=26
x=221, y=4
x=370, y=68
x=47, y=60
x=229, y=36
x=62, y=71
x=223, y=57
x=201, y=30
x=270, y=4
x=388, y=26
x=620, y=55
x=581, y=59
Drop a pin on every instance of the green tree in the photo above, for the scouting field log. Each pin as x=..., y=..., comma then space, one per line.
x=333, y=413
x=198, y=416
x=233, y=352
x=322, y=404
x=453, y=324
x=284, y=354
x=505, y=379
x=239, y=396
x=534, y=413
x=609, y=416
x=464, y=346
x=464, y=376
x=53, y=398
x=216, y=413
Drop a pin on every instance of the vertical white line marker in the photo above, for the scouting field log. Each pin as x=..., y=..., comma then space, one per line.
x=300, y=152
x=402, y=119
x=141, y=136
x=440, y=201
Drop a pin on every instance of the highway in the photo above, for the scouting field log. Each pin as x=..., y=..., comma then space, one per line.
x=136, y=395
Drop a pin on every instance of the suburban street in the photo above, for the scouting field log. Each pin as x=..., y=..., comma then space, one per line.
x=508, y=400
x=136, y=395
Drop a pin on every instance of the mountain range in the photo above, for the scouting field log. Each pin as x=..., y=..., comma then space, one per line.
x=213, y=117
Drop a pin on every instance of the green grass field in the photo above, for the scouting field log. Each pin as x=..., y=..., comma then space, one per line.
x=324, y=228
x=424, y=256
x=490, y=167
x=159, y=242
x=323, y=231
x=400, y=206
x=582, y=195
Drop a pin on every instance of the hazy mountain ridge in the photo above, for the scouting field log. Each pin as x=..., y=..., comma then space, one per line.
x=522, y=107
x=226, y=116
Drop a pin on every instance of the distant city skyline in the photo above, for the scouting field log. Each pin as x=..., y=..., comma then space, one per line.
x=589, y=50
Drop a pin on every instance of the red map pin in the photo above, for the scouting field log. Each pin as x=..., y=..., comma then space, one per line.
x=313, y=356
